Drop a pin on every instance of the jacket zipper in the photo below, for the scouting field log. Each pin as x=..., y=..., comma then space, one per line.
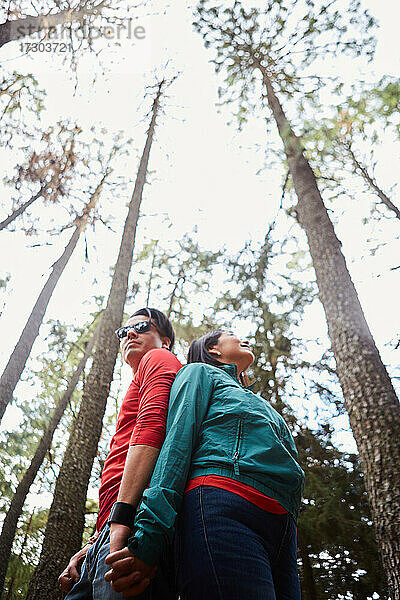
x=236, y=453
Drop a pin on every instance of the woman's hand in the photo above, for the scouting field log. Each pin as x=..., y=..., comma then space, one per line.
x=128, y=574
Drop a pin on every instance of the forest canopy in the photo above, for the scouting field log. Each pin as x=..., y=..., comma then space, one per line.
x=234, y=165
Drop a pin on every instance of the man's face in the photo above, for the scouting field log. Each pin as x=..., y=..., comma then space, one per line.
x=135, y=345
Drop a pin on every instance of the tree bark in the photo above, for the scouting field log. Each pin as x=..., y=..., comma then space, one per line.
x=370, y=399
x=22, y=350
x=65, y=524
x=18, y=211
x=19, y=28
x=370, y=181
x=15, y=510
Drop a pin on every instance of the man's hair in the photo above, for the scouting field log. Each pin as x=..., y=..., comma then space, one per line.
x=162, y=322
x=198, y=351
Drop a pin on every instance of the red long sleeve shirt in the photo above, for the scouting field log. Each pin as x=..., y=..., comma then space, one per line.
x=141, y=420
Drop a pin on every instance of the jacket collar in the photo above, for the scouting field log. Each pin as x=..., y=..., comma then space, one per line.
x=231, y=369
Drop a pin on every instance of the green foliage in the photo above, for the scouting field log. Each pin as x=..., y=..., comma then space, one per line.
x=4, y=282
x=373, y=105
x=342, y=141
x=335, y=527
x=284, y=37
x=179, y=278
x=51, y=374
x=20, y=98
x=280, y=42
x=25, y=554
x=92, y=509
x=189, y=268
x=356, y=120
x=272, y=301
x=50, y=377
x=27, y=546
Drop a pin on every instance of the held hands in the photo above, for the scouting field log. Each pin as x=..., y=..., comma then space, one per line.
x=71, y=574
x=128, y=574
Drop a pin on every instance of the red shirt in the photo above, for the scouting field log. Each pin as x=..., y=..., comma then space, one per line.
x=141, y=420
x=241, y=489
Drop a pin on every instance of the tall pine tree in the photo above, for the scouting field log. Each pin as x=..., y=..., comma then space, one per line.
x=67, y=511
x=253, y=45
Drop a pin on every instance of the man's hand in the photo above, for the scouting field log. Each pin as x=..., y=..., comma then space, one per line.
x=119, y=535
x=71, y=574
x=128, y=574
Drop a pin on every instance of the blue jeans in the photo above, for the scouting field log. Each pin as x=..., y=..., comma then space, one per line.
x=226, y=548
x=92, y=586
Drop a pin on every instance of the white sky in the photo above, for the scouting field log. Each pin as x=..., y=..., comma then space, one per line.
x=205, y=175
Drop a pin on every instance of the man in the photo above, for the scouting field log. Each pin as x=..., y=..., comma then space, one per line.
x=146, y=341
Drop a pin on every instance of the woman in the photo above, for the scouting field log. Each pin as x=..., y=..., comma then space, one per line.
x=229, y=468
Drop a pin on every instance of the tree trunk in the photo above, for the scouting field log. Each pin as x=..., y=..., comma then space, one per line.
x=370, y=181
x=18, y=211
x=308, y=583
x=153, y=260
x=15, y=510
x=370, y=399
x=22, y=350
x=65, y=524
x=23, y=27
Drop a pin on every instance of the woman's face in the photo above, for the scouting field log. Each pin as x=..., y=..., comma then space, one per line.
x=230, y=349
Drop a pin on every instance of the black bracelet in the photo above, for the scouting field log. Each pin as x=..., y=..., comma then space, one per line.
x=122, y=513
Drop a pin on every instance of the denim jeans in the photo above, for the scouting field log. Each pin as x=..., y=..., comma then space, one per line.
x=226, y=548
x=92, y=586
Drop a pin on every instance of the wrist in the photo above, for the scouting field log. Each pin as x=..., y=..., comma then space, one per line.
x=119, y=532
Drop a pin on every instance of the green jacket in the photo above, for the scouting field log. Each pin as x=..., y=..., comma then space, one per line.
x=215, y=426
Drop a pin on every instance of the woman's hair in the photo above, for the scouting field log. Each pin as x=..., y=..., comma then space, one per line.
x=199, y=349
x=162, y=322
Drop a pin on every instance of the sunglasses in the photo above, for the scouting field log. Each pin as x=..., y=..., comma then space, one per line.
x=141, y=327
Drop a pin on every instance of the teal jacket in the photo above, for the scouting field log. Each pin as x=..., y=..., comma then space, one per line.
x=215, y=427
